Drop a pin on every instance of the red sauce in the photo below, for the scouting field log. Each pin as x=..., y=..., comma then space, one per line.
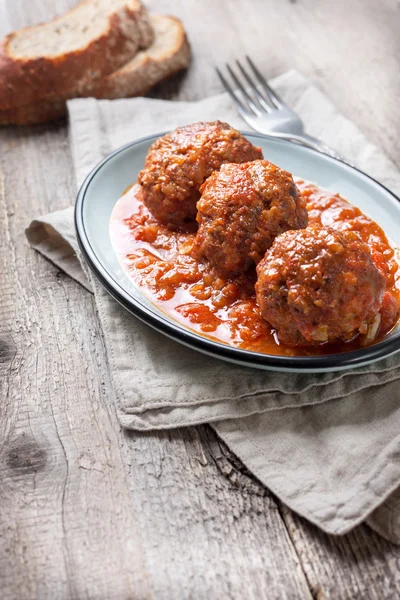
x=158, y=261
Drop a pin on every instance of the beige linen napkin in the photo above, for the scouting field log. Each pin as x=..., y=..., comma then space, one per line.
x=328, y=445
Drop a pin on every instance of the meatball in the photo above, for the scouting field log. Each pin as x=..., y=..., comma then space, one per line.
x=241, y=211
x=178, y=163
x=319, y=285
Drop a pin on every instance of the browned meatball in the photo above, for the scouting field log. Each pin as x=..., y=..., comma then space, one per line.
x=179, y=162
x=318, y=285
x=241, y=211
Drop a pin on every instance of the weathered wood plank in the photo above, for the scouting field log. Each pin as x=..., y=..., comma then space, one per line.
x=89, y=511
x=61, y=470
x=357, y=565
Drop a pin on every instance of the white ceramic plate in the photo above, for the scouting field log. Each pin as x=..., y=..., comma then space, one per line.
x=105, y=184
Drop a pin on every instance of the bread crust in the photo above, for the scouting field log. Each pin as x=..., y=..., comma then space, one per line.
x=135, y=78
x=144, y=71
x=27, y=80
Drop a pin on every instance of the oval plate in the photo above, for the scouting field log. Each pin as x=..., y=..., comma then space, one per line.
x=106, y=183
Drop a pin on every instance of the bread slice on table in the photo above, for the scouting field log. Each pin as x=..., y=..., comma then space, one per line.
x=168, y=54
x=70, y=52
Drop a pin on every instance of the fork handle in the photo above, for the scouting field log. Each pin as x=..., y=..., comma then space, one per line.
x=312, y=142
x=309, y=142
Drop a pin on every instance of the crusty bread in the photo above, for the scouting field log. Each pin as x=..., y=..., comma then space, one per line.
x=30, y=114
x=169, y=53
x=70, y=52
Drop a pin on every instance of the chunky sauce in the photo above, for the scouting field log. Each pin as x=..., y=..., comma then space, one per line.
x=159, y=261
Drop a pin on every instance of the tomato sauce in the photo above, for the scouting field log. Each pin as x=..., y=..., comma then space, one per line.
x=194, y=294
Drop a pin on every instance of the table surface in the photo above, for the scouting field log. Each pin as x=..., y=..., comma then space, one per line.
x=89, y=510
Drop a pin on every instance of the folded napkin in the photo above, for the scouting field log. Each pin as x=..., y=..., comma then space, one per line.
x=328, y=445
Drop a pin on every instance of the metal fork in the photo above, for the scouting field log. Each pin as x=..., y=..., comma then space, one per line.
x=262, y=108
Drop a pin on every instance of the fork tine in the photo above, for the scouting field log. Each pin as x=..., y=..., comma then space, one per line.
x=260, y=98
x=245, y=93
x=239, y=104
x=273, y=96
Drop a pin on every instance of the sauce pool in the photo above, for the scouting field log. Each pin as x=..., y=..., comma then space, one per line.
x=194, y=294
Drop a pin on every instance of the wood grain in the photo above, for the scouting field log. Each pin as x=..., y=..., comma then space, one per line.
x=88, y=510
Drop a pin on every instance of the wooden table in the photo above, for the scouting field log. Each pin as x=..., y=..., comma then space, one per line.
x=89, y=510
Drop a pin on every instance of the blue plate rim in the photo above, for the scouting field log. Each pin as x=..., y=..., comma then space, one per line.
x=340, y=361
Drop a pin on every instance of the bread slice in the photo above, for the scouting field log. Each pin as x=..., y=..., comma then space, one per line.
x=70, y=52
x=168, y=54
